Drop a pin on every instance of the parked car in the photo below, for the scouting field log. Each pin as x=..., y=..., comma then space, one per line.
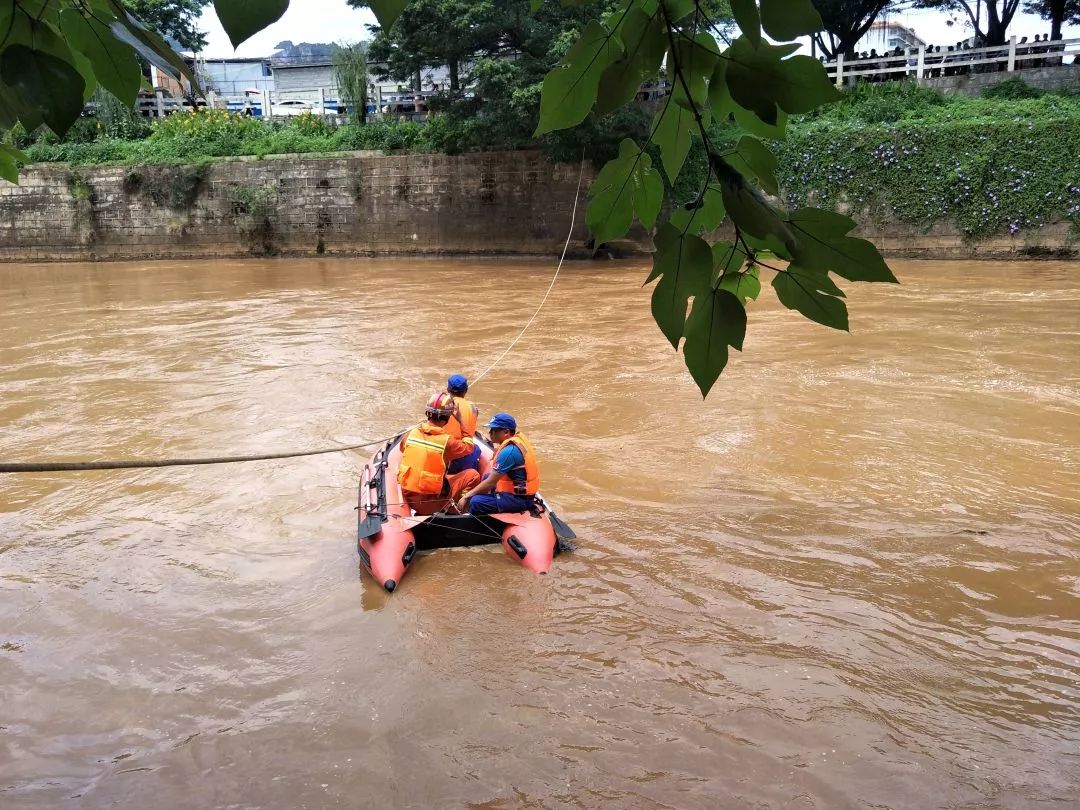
x=291, y=107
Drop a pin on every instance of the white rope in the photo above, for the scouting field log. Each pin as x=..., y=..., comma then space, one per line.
x=573, y=219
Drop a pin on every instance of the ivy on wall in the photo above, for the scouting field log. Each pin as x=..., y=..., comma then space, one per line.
x=990, y=165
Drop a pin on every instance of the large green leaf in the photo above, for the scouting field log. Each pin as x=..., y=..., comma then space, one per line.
x=751, y=157
x=570, y=89
x=9, y=157
x=644, y=46
x=148, y=44
x=696, y=58
x=625, y=184
x=761, y=79
x=749, y=210
x=243, y=18
x=785, y=20
x=717, y=320
x=387, y=11
x=45, y=83
x=820, y=245
x=684, y=265
x=812, y=294
x=723, y=105
x=673, y=130
x=746, y=15
x=703, y=215
x=114, y=64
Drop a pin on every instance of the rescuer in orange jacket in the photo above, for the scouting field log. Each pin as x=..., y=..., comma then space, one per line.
x=426, y=451
x=465, y=427
x=515, y=473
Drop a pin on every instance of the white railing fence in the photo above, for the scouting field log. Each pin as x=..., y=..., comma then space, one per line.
x=929, y=63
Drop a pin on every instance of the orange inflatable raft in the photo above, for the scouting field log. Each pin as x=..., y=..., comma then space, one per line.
x=389, y=535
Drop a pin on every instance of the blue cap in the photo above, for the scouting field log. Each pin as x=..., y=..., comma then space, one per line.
x=457, y=382
x=502, y=420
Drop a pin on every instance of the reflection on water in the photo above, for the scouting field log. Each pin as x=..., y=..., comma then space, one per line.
x=850, y=578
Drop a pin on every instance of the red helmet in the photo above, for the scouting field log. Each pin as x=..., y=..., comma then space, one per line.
x=441, y=405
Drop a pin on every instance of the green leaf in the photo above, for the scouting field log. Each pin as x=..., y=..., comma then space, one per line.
x=717, y=320
x=748, y=209
x=672, y=132
x=9, y=159
x=626, y=183
x=820, y=244
x=684, y=265
x=114, y=64
x=570, y=89
x=387, y=11
x=746, y=15
x=148, y=44
x=645, y=44
x=728, y=258
x=752, y=157
x=723, y=105
x=45, y=83
x=785, y=20
x=703, y=215
x=243, y=18
x=745, y=286
x=808, y=292
x=761, y=79
x=696, y=58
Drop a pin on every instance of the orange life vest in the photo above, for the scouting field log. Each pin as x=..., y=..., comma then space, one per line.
x=466, y=428
x=423, y=460
x=531, y=484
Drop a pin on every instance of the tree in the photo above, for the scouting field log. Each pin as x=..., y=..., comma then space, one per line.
x=1058, y=12
x=351, y=73
x=846, y=21
x=54, y=52
x=175, y=19
x=432, y=33
x=989, y=30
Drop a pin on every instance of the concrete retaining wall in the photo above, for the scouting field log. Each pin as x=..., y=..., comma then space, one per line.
x=361, y=204
x=364, y=203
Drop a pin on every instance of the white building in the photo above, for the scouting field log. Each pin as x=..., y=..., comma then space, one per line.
x=888, y=35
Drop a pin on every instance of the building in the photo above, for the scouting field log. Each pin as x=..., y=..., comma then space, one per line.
x=235, y=76
x=888, y=35
x=300, y=70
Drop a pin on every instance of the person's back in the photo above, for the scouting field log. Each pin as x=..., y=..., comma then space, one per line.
x=427, y=483
x=462, y=423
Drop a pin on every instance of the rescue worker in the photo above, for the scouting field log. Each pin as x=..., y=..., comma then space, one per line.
x=515, y=474
x=465, y=427
x=426, y=450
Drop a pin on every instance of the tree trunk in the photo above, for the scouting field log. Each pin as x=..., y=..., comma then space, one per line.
x=454, y=76
x=1057, y=15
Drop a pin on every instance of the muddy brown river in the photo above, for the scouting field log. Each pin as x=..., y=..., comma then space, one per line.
x=850, y=578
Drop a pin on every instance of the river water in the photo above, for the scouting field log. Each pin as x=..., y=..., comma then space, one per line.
x=850, y=578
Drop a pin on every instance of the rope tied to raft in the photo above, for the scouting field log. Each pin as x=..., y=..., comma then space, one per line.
x=140, y=464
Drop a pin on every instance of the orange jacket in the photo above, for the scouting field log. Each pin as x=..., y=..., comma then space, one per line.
x=532, y=469
x=466, y=428
x=425, y=452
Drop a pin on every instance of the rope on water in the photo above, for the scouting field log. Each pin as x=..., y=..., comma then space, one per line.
x=137, y=464
x=562, y=258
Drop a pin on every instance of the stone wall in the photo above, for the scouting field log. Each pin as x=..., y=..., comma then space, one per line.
x=1059, y=77
x=362, y=203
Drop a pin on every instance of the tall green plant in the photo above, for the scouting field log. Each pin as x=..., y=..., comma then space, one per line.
x=351, y=73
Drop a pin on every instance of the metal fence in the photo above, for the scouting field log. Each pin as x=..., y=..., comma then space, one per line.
x=932, y=62
x=281, y=105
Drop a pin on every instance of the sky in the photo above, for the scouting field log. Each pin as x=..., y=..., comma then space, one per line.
x=334, y=21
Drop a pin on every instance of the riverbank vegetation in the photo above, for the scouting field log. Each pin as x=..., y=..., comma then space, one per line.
x=1002, y=162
